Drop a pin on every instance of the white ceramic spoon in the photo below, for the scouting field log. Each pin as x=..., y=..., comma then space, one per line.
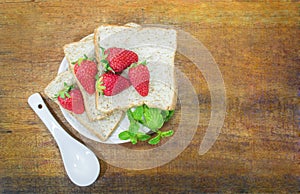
x=81, y=164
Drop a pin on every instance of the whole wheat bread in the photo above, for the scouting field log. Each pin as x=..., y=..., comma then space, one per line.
x=101, y=128
x=155, y=45
x=73, y=52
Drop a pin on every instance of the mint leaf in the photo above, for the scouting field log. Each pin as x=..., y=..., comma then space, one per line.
x=133, y=139
x=167, y=114
x=124, y=135
x=142, y=136
x=167, y=133
x=154, y=119
x=155, y=140
x=130, y=116
x=134, y=127
x=171, y=113
x=138, y=113
x=164, y=113
x=145, y=107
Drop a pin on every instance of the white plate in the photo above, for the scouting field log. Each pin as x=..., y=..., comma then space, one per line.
x=113, y=139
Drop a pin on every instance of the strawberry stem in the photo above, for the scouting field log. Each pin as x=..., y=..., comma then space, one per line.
x=143, y=62
x=84, y=58
x=104, y=61
x=138, y=63
x=64, y=92
x=99, y=85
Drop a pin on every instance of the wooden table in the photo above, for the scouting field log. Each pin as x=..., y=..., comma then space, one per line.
x=256, y=46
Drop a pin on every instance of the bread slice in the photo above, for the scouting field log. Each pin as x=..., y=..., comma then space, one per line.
x=155, y=45
x=73, y=52
x=101, y=128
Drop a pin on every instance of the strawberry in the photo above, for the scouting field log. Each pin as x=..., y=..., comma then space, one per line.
x=70, y=98
x=118, y=59
x=139, y=77
x=85, y=71
x=78, y=63
x=111, y=84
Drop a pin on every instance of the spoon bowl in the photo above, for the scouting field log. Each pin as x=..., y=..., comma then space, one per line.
x=81, y=164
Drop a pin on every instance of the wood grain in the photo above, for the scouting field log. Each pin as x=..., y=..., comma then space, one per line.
x=256, y=46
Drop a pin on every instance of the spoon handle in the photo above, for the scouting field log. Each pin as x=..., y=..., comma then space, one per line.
x=81, y=163
x=38, y=105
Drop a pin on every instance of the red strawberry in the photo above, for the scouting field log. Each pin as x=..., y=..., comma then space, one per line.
x=70, y=98
x=111, y=84
x=139, y=77
x=85, y=71
x=78, y=63
x=118, y=59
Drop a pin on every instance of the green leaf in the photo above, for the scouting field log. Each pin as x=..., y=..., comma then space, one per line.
x=138, y=113
x=134, y=127
x=154, y=118
x=165, y=114
x=155, y=140
x=142, y=136
x=171, y=113
x=130, y=115
x=133, y=139
x=124, y=135
x=167, y=133
x=145, y=107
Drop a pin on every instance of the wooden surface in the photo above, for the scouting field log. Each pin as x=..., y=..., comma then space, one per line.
x=256, y=46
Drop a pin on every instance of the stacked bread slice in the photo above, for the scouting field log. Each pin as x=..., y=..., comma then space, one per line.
x=102, y=113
